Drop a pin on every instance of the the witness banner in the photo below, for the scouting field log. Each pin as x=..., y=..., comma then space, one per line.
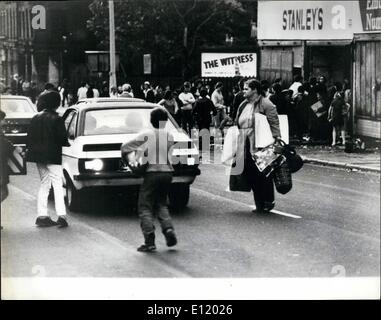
x=228, y=64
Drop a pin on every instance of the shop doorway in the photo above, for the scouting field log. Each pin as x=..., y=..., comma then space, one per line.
x=333, y=62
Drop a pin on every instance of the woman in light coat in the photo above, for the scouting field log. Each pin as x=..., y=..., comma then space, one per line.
x=251, y=178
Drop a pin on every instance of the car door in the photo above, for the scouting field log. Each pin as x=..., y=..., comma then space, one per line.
x=70, y=154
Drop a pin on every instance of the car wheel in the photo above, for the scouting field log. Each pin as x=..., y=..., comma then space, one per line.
x=179, y=195
x=71, y=195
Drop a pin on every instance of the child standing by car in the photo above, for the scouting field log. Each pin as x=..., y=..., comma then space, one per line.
x=157, y=179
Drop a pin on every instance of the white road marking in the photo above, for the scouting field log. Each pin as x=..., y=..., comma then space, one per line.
x=286, y=214
x=365, y=194
x=217, y=197
x=24, y=194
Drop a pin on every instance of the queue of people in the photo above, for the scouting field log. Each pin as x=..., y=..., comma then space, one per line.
x=316, y=112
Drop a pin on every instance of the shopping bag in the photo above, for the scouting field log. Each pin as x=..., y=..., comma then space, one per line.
x=268, y=159
x=294, y=161
x=282, y=178
x=263, y=134
x=230, y=145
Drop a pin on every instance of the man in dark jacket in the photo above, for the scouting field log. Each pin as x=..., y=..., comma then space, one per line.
x=202, y=110
x=46, y=137
x=238, y=99
x=41, y=102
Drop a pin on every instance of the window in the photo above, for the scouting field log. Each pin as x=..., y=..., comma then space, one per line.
x=118, y=121
x=16, y=106
x=72, y=127
x=68, y=119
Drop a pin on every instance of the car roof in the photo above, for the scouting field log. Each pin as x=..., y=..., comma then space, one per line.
x=3, y=96
x=105, y=103
x=99, y=100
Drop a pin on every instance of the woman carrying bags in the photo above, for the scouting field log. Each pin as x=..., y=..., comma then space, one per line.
x=251, y=178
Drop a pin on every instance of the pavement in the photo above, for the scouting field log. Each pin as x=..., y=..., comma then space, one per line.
x=364, y=160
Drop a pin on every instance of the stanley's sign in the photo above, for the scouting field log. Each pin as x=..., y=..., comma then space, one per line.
x=317, y=20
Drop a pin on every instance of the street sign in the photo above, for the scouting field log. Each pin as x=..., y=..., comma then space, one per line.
x=147, y=63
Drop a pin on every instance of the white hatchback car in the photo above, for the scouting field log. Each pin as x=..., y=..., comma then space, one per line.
x=96, y=129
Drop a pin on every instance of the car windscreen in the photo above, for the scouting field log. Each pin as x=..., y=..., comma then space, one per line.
x=16, y=106
x=118, y=121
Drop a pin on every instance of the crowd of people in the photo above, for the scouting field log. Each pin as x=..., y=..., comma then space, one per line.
x=316, y=112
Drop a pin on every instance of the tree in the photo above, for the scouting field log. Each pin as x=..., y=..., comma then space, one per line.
x=173, y=30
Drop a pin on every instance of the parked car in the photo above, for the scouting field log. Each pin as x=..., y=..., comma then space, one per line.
x=19, y=113
x=96, y=129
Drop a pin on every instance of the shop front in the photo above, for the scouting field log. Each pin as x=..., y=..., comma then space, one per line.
x=335, y=39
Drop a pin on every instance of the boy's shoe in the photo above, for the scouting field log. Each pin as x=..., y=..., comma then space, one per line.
x=45, y=222
x=170, y=237
x=147, y=248
x=149, y=243
x=62, y=223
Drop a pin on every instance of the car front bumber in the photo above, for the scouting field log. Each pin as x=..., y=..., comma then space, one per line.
x=113, y=174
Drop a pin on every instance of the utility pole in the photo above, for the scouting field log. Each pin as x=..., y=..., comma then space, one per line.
x=112, y=44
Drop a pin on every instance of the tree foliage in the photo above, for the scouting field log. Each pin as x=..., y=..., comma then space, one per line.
x=173, y=31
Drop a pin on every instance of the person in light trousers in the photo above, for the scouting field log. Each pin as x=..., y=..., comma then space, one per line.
x=46, y=136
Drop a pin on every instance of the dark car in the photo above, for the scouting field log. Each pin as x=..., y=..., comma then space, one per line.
x=96, y=129
x=19, y=113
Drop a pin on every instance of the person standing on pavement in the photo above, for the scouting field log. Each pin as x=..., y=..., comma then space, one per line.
x=40, y=102
x=295, y=85
x=203, y=108
x=169, y=103
x=149, y=94
x=278, y=99
x=218, y=101
x=175, y=94
x=46, y=137
x=157, y=179
x=336, y=116
x=113, y=92
x=82, y=91
x=126, y=91
x=187, y=99
x=238, y=98
x=255, y=102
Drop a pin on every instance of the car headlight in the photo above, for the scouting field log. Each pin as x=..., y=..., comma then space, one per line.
x=96, y=165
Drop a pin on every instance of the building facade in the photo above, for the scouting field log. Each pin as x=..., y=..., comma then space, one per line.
x=337, y=39
x=44, y=41
x=16, y=35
